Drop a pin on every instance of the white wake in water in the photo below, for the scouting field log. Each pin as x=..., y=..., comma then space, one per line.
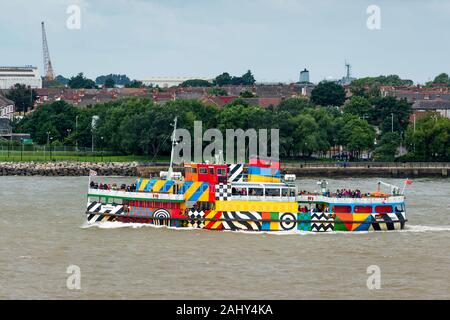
x=418, y=228
x=120, y=225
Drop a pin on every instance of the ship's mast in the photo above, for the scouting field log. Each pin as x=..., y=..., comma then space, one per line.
x=174, y=143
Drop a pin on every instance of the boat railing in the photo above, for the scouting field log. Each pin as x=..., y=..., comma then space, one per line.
x=137, y=195
x=263, y=198
x=364, y=200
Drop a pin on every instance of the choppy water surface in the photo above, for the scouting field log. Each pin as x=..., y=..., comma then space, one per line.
x=42, y=233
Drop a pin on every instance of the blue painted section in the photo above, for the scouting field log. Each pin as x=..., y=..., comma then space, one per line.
x=185, y=186
x=149, y=186
x=268, y=172
x=199, y=191
x=166, y=187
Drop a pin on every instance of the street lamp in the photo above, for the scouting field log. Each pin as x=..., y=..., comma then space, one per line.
x=45, y=147
x=76, y=133
x=392, y=120
x=21, y=149
x=101, y=148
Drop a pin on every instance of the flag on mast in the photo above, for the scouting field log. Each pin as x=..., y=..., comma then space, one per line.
x=408, y=182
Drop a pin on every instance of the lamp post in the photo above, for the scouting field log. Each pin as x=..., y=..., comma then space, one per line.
x=76, y=133
x=392, y=122
x=48, y=140
x=21, y=149
x=68, y=134
x=101, y=147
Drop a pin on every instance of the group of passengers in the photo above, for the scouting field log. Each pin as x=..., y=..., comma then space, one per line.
x=347, y=193
x=114, y=186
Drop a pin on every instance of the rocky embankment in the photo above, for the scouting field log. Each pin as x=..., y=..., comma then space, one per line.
x=68, y=168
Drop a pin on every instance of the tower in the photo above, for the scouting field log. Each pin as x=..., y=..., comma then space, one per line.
x=348, y=67
x=48, y=69
x=304, y=76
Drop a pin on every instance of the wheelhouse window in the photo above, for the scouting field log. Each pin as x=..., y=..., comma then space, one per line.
x=221, y=172
x=203, y=171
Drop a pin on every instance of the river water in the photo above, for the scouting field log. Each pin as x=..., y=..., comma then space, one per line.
x=42, y=233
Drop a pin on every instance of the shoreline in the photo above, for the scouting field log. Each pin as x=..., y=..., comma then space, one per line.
x=136, y=169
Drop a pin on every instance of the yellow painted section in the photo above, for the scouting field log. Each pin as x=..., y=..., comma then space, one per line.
x=143, y=185
x=257, y=178
x=359, y=217
x=158, y=185
x=192, y=190
x=261, y=206
x=204, y=196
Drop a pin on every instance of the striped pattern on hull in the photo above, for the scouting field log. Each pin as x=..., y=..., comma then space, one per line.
x=242, y=221
x=388, y=222
x=235, y=173
x=97, y=207
x=96, y=218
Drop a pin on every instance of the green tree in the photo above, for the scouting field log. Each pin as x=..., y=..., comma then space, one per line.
x=23, y=97
x=218, y=92
x=328, y=94
x=431, y=139
x=442, y=78
x=359, y=106
x=135, y=84
x=357, y=135
x=110, y=83
x=294, y=105
x=81, y=82
x=387, y=149
x=247, y=94
x=387, y=109
x=248, y=78
x=196, y=83
x=223, y=79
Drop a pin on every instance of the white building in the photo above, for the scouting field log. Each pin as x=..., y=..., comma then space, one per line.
x=6, y=108
x=167, y=82
x=27, y=75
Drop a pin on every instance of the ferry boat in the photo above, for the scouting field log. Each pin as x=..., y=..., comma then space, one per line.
x=238, y=197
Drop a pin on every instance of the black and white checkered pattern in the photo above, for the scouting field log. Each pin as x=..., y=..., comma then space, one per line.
x=223, y=191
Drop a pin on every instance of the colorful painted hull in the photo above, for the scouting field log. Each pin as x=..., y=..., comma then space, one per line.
x=251, y=221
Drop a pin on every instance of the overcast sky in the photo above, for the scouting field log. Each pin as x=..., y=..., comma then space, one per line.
x=274, y=38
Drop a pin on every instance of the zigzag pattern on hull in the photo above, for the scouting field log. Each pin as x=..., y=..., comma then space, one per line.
x=321, y=222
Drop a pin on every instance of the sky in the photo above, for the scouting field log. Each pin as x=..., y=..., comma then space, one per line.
x=275, y=39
